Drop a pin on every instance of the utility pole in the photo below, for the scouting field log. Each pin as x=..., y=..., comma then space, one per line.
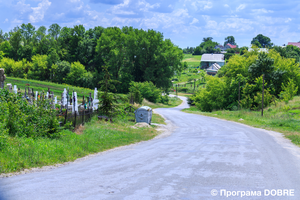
x=194, y=84
x=239, y=95
x=262, y=102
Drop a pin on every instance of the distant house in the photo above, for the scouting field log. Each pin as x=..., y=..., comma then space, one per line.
x=297, y=44
x=224, y=48
x=212, y=63
x=213, y=69
x=230, y=46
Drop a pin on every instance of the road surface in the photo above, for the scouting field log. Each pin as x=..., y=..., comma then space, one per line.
x=204, y=158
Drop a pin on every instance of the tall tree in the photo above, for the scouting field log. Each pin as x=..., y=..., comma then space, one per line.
x=207, y=39
x=264, y=41
x=15, y=42
x=27, y=31
x=230, y=40
x=54, y=30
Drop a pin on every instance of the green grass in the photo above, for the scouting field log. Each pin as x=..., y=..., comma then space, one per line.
x=191, y=60
x=156, y=118
x=284, y=118
x=96, y=136
x=43, y=86
x=173, y=102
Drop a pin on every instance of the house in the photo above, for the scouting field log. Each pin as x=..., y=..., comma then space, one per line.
x=213, y=69
x=297, y=44
x=224, y=48
x=230, y=46
x=212, y=63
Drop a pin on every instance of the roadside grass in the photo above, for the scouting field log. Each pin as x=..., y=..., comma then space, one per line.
x=182, y=94
x=97, y=136
x=156, y=118
x=284, y=118
x=173, y=102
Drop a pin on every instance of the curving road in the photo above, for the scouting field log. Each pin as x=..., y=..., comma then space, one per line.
x=201, y=154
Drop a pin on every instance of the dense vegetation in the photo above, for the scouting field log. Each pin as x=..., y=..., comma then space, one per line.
x=282, y=76
x=75, y=55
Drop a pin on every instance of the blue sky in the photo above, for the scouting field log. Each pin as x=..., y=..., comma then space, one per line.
x=185, y=22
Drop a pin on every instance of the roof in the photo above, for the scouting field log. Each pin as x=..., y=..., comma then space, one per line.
x=213, y=68
x=231, y=45
x=212, y=58
x=297, y=44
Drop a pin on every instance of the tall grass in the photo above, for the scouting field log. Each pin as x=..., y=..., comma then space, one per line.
x=97, y=136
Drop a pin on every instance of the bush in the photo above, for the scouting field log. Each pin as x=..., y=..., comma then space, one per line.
x=19, y=118
x=148, y=91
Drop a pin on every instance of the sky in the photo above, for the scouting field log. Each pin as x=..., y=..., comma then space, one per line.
x=185, y=22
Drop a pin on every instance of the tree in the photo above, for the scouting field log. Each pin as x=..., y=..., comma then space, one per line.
x=264, y=41
x=27, y=31
x=230, y=40
x=54, y=30
x=107, y=100
x=207, y=39
x=15, y=42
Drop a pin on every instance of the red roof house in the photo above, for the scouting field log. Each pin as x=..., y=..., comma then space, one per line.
x=230, y=45
x=297, y=44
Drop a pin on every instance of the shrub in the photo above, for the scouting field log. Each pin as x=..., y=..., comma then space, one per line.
x=148, y=91
x=19, y=118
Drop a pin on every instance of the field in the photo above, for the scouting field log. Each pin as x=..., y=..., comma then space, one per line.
x=192, y=61
x=283, y=118
x=189, y=74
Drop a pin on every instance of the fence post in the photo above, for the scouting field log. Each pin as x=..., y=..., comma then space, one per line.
x=262, y=102
x=83, y=103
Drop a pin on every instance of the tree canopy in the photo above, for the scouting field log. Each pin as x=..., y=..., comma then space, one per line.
x=262, y=41
x=76, y=55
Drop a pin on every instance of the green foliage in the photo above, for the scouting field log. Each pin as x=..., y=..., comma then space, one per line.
x=262, y=41
x=135, y=93
x=207, y=46
x=24, y=120
x=107, y=100
x=213, y=96
x=289, y=90
x=133, y=54
x=149, y=91
x=230, y=40
x=280, y=74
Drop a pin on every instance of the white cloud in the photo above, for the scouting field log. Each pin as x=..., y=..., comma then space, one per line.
x=241, y=7
x=198, y=5
x=288, y=20
x=194, y=21
x=39, y=12
x=6, y=20
x=262, y=11
x=22, y=7
x=226, y=5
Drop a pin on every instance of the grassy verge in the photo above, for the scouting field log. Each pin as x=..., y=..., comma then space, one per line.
x=284, y=118
x=96, y=136
x=156, y=118
x=173, y=102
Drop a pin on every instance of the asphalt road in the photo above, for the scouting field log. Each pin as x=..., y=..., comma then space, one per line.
x=200, y=155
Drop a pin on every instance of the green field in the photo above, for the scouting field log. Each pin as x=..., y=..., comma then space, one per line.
x=192, y=61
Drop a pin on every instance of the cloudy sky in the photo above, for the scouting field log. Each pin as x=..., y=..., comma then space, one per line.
x=185, y=22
